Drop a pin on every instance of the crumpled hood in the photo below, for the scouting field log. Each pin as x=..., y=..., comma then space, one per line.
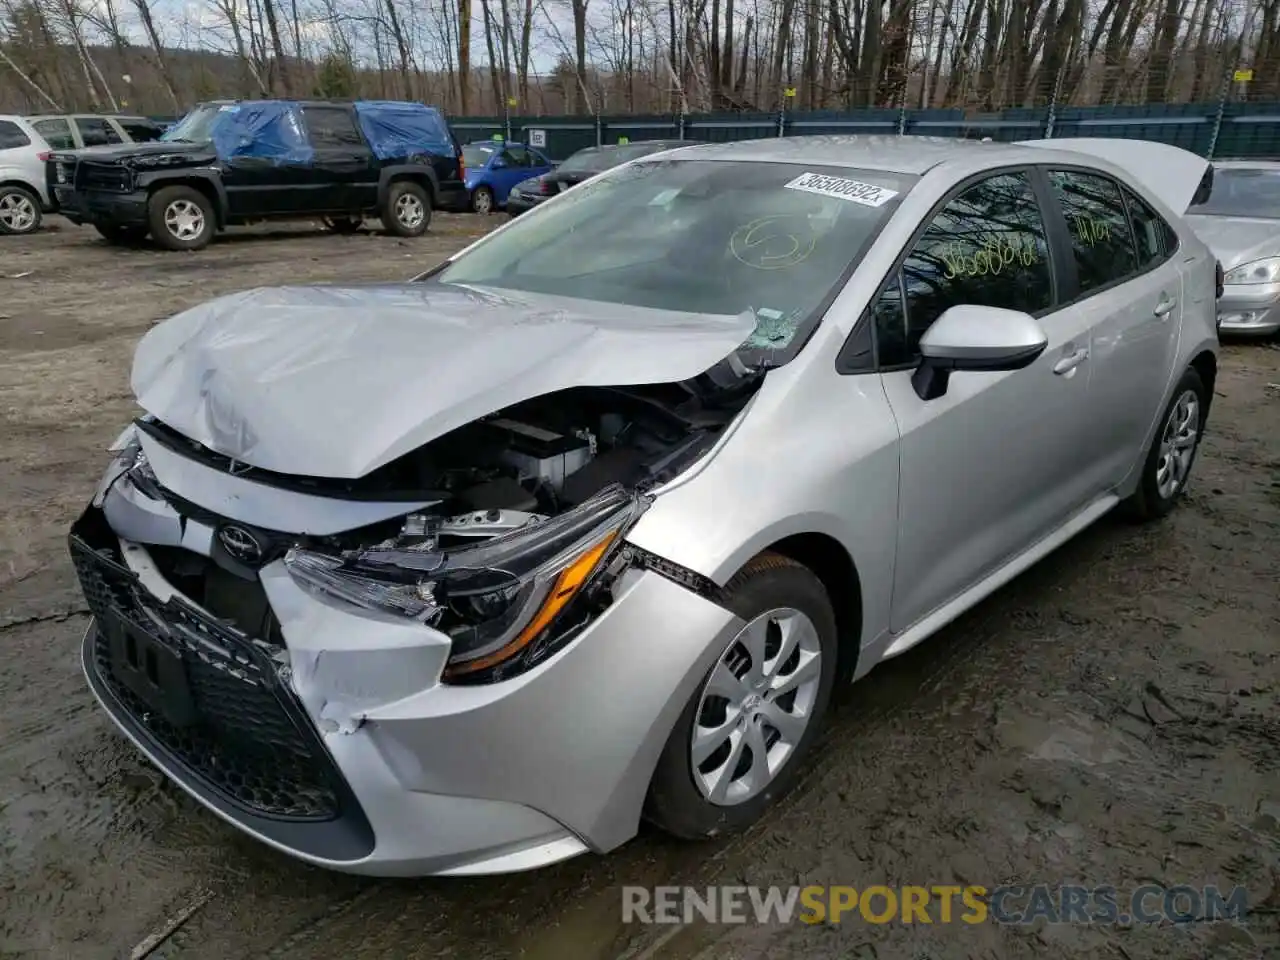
x=335, y=382
x=1237, y=240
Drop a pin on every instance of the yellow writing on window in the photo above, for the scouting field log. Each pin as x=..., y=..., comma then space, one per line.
x=1090, y=231
x=992, y=257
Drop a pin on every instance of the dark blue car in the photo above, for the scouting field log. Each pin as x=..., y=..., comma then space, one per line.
x=494, y=167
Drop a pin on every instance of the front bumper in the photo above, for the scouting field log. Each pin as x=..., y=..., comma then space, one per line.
x=1250, y=309
x=96, y=206
x=518, y=203
x=343, y=748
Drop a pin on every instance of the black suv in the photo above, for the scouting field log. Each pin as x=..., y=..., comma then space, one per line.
x=235, y=162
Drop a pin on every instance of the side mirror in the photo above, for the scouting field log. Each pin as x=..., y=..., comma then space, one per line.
x=975, y=338
x=497, y=163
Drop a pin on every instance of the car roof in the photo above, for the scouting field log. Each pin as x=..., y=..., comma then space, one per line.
x=888, y=152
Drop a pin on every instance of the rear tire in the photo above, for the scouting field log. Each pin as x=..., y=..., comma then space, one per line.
x=120, y=235
x=181, y=218
x=780, y=669
x=1167, y=469
x=20, y=211
x=343, y=225
x=407, y=209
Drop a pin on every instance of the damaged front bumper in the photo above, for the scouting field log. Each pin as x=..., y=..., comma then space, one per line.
x=328, y=733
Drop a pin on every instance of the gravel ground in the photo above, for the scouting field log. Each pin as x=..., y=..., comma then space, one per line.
x=1109, y=718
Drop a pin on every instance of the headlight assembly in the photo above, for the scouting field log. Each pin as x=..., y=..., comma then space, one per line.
x=1259, y=271
x=502, y=601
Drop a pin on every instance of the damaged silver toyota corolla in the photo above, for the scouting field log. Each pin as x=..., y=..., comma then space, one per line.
x=469, y=574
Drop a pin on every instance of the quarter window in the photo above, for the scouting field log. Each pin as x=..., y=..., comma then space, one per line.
x=11, y=135
x=1150, y=232
x=1101, y=241
x=56, y=133
x=96, y=132
x=987, y=247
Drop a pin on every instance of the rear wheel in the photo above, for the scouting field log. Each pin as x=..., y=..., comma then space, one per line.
x=407, y=209
x=115, y=233
x=343, y=224
x=740, y=742
x=181, y=218
x=19, y=210
x=1173, y=450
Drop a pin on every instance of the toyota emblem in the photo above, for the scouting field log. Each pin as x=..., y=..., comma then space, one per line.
x=240, y=544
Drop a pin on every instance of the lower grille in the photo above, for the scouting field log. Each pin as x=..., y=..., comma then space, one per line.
x=240, y=733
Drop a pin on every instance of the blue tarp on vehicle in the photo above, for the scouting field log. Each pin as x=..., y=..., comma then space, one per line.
x=397, y=128
x=266, y=129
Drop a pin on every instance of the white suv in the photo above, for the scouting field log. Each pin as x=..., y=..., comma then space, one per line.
x=25, y=144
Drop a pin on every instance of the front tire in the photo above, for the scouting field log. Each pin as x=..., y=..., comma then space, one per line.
x=407, y=211
x=20, y=212
x=1167, y=469
x=181, y=218
x=742, y=738
x=482, y=201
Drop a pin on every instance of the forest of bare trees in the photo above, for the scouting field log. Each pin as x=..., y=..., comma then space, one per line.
x=636, y=56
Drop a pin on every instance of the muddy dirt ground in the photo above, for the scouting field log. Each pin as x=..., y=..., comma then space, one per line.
x=1110, y=718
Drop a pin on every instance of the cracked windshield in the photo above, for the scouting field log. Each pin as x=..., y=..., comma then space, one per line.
x=698, y=236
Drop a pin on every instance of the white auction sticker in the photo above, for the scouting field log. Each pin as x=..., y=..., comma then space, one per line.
x=867, y=194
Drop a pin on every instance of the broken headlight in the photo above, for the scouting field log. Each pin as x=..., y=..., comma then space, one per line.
x=498, y=600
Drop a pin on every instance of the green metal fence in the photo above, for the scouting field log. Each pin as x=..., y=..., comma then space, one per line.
x=1216, y=130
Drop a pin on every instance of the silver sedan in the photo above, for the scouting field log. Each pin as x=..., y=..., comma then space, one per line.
x=472, y=573
x=1240, y=221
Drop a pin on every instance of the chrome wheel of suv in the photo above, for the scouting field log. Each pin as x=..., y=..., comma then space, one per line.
x=184, y=219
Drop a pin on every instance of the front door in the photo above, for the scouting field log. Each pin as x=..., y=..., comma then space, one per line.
x=993, y=464
x=1130, y=284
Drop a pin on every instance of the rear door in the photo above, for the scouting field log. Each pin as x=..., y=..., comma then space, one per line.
x=1130, y=285
x=344, y=178
x=993, y=464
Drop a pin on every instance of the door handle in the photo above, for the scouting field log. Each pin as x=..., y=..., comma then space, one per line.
x=1165, y=306
x=1070, y=362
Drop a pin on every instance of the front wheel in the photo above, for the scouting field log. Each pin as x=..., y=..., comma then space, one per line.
x=482, y=201
x=181, y=218
x=1167, y=469
x=407, y=211
x=19, y=210
x=740, y=742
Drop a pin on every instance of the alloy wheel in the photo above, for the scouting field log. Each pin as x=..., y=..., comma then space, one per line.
x=184, y=219
x=756, y=706
x=1178, y=444
x=409, y=211
x=17, y=212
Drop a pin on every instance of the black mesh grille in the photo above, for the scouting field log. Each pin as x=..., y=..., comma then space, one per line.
x=247, y=739
x=98, y=176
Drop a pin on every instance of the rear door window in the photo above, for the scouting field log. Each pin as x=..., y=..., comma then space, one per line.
x=96, y=132
x=1102, y=242
x=331, y=127
x=1150, y=232
x=12, y=135
x=56, y=132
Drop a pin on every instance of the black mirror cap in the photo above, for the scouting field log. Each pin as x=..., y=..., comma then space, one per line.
x=931, y=377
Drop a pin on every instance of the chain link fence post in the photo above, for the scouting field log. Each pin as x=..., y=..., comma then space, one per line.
x=1220, y=112
x=1052, y=118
